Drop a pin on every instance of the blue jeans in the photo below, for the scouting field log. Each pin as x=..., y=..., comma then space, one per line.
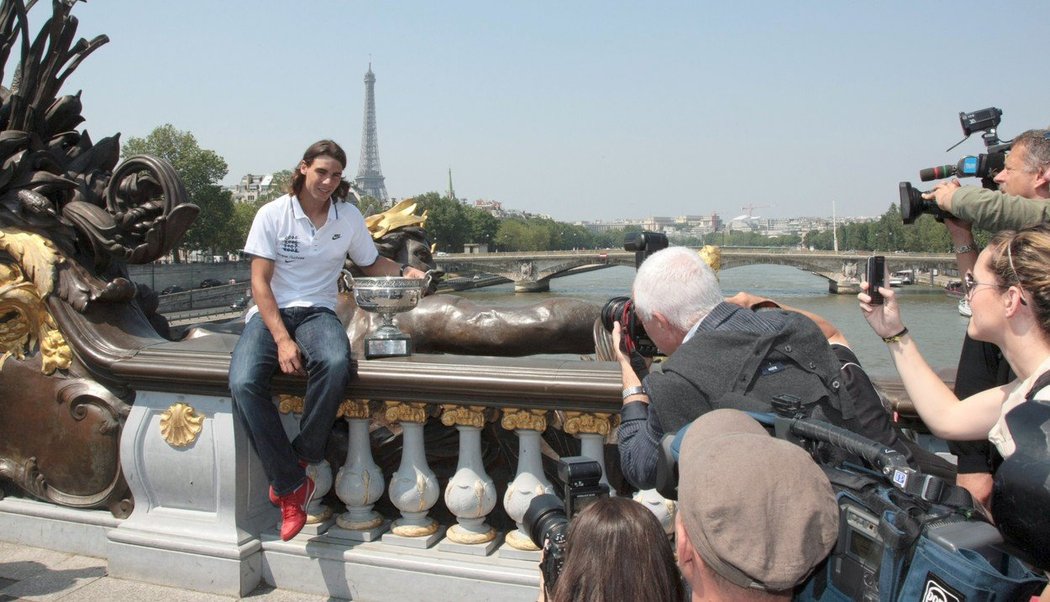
x=325, y=351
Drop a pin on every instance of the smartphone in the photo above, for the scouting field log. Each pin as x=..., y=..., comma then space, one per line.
x=876, y=276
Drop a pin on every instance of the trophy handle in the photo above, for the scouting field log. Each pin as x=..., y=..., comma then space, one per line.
x=348, y=279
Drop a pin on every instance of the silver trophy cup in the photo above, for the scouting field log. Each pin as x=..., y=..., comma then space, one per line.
x=386, y=296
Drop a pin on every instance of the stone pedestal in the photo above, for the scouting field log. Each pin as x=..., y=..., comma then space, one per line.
x=200, y=497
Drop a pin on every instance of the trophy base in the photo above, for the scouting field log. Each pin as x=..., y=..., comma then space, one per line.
x=384, y=347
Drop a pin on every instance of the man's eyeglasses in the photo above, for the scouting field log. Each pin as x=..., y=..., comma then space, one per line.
x=971, y=285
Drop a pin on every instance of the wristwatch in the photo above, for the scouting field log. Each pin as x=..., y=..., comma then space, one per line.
x=635, y=390
x=963, y=249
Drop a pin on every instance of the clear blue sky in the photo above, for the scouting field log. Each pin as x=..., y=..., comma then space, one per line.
x=582, y=109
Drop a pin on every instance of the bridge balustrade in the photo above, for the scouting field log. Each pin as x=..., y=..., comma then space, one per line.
x=524, y=396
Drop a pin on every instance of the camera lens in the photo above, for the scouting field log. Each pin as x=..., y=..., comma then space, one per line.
x=544, y=518
x=613, y=311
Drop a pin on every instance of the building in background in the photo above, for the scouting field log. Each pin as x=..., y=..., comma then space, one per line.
x=251, y=187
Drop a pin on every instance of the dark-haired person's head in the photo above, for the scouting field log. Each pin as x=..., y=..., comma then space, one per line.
x=308, y=175
x=617, y=550
x=756, y=515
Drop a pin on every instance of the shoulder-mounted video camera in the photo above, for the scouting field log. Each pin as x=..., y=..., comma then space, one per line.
x=984, y=166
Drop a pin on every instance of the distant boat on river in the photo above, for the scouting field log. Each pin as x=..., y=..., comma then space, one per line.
x=964, y=308
x=955, y=289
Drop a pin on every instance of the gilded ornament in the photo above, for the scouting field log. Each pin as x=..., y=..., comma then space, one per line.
x=180, y=425
x=458, y=534
x=533, y=420
x=401, y=215
x=401, y=411
x=27, y=323
x=405, y=529
x=712, y=256
x=354, y=408
x=290, y=404
x=455, y=415
x=585, y=423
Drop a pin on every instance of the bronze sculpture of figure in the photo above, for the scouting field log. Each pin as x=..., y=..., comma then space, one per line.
x=71, y=219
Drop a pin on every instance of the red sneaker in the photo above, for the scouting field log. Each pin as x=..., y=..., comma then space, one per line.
x=293, y=509
x=274, y=499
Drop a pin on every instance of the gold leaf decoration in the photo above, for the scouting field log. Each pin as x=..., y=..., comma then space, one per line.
x=35, y=254
x=712, y=256
x=455, y=415
x=354, y=408
x=399, y=411
x=533, y=420
x=290, y=404
x=401, y=215
x=25, y=321
x=585, y=423
x=180, y=425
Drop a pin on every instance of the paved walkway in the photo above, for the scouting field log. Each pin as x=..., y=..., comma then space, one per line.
x=37, y=574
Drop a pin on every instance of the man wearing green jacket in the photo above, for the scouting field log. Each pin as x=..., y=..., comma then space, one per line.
x=1023, y=199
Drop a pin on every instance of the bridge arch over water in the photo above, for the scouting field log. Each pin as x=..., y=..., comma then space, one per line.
x=532, y=271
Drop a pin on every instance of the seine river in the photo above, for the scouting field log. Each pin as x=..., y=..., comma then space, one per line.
x=931, y=316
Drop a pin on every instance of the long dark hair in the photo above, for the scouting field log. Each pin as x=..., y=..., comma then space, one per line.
x=328, y=148
x=617, y=550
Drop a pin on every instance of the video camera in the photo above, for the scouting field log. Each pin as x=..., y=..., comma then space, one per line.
x=548, y=516
x=984, y=165
x=621, y=309
x=903, y=535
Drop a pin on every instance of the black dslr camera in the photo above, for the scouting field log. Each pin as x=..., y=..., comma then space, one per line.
x=621, y=309
x=547, y=519
x=984, y=165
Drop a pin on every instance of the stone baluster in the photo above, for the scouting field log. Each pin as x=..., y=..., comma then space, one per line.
x=318, y=515
x=663, y=508
x=359, y=483
x=592, y=430
x=470, y=493
x=529, y=480
x=414, y=487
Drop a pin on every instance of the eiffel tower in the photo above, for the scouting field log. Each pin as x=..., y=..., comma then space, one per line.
x=370, y=178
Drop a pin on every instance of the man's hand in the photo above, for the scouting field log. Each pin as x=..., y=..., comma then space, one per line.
x=618, y=349
x=289, y=358
x=942, y=194
x=411, y=272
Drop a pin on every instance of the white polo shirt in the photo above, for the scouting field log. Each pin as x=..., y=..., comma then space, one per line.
x=307, y=260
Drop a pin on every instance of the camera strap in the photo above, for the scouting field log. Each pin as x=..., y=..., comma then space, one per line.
x=1040, y=383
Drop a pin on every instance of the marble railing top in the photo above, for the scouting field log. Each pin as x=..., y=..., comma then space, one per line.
x=564, y=384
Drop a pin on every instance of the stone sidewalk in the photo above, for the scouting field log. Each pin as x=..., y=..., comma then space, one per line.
x=28, y=573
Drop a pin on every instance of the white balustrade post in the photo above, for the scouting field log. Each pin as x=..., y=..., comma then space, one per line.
x=470, y=493
x=414, y=488
x=529, y=480
x=318, y=515
x=663, y=508
x=359, y=483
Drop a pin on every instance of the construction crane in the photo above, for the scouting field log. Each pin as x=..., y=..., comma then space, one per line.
x=750, y=209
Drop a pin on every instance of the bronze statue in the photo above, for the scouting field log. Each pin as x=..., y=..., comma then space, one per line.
x=71, y=219
x=452, y=324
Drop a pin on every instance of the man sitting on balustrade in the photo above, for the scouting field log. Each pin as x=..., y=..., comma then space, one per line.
x=298, y=244
x=715, y=347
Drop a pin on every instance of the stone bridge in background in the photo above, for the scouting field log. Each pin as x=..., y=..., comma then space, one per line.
x=532, y=271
